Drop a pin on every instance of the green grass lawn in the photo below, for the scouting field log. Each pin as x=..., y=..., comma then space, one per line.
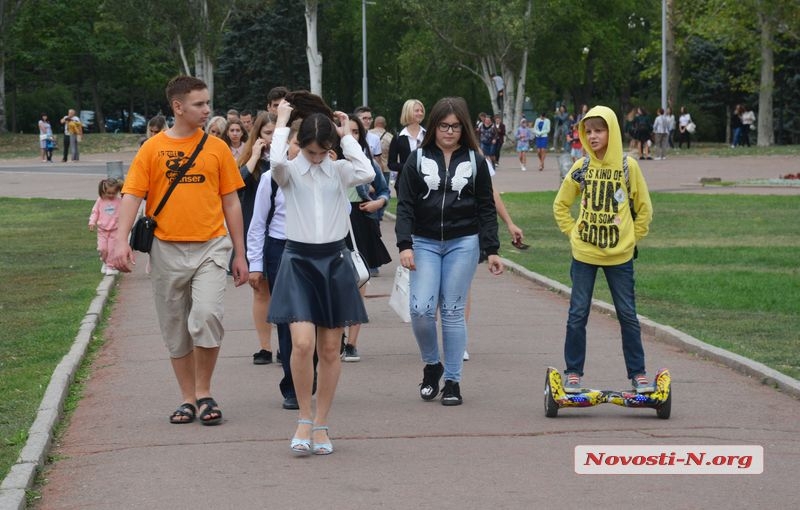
x=15, y=145
x=721, y=268
x=49, y=271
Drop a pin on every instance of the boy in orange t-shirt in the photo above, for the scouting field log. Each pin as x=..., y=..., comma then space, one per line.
x=191, y=250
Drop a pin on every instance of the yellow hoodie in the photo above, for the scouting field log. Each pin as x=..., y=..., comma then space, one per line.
x=604, y=234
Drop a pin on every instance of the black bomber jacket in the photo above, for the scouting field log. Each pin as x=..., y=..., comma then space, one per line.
x=445, y=203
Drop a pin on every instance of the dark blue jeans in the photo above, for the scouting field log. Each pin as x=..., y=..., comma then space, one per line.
x=620, y=283
x=273, y=251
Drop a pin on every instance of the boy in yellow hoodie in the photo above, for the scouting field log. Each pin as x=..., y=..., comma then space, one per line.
x=615, y=212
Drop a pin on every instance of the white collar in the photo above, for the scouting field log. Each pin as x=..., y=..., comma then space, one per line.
x=408, y=134
x=305, y=165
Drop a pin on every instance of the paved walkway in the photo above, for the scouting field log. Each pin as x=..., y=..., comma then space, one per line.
x=393, y=450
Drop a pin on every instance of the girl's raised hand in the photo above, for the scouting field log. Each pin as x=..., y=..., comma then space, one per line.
x=258, y=146
x=344, y=123
x=284, y=112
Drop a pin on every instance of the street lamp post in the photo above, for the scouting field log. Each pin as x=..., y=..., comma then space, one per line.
x=664, y=54
x=364, y=50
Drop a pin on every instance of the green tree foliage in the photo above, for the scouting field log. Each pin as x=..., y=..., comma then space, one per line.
x=110, y=55
x=261, y=51
x=595, y=52
x=84, y=58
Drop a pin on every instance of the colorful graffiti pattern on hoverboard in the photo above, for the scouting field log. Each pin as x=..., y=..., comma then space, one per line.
x=555, y=397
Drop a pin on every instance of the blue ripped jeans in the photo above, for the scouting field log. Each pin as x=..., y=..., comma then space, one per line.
x=441, y=281
x=621, y=284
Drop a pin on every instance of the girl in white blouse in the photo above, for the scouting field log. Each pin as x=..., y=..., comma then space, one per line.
x=315, y=290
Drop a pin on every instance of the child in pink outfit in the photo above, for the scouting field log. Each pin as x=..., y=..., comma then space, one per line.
x=104, y=217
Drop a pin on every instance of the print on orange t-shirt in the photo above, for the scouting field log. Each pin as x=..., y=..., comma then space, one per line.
x=193, y=211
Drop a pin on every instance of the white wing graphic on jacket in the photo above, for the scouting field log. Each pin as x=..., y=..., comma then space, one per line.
x=430, y=174
x=461, y=177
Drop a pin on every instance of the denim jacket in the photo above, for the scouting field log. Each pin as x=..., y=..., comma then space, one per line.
x=381, y=190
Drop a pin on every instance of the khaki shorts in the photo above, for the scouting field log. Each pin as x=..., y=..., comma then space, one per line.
x=189, y=288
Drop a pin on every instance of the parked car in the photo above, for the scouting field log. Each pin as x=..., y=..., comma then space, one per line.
x=139, y=123
x=120, y=124
x=114, y=125
x=87, y=120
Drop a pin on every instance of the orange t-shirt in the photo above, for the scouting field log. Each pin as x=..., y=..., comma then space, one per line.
x=193, y=211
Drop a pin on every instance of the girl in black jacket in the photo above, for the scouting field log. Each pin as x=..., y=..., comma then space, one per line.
x=445, y=218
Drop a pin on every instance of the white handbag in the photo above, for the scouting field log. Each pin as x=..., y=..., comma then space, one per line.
x=362, y=271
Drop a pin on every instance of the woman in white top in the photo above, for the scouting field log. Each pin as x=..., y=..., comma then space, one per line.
x=748, y=124
x=683, y=133
x=315, y=290
x=46, y=139
x=408, y=139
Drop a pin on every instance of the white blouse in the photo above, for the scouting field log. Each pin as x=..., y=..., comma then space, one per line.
x=317, y=210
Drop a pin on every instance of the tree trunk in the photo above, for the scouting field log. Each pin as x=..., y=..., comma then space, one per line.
x=186, y=70
x=312, y=51
x=209, y=78
x=2, y=94
x=515, y=95
x=8, y=13
x=673, y=66
x=766, y=134
x=516, y=113
x=99, y=117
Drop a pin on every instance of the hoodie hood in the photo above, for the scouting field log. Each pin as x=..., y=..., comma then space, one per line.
x=613, y=154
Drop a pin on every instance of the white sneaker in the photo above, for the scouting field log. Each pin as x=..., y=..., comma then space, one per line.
x=466, y=356
x=524, y=169
x=103, y=268
x=111, y=272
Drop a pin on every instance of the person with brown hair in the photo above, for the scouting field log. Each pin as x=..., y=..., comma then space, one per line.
x=315, y=291
x=611, y=182
x=103, y=218
x=235, y=135
x=446, y=216
x=253, y=164
x=192, y=246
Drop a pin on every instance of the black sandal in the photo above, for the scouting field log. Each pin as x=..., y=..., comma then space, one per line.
x=211, y=415
x=186, y=413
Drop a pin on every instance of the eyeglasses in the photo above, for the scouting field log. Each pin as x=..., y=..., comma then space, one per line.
x=444, y=127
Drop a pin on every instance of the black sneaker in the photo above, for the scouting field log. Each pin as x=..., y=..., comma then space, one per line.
x=429, y=387
x=451, y=394
x=350, y=353
x=290, y=403
x=262, y=357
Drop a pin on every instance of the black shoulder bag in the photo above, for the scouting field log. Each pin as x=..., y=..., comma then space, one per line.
x=144, y=229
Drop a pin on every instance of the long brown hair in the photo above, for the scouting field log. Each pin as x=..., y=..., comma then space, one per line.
x=263, y=119
x=444, y=107
x=304, y=104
